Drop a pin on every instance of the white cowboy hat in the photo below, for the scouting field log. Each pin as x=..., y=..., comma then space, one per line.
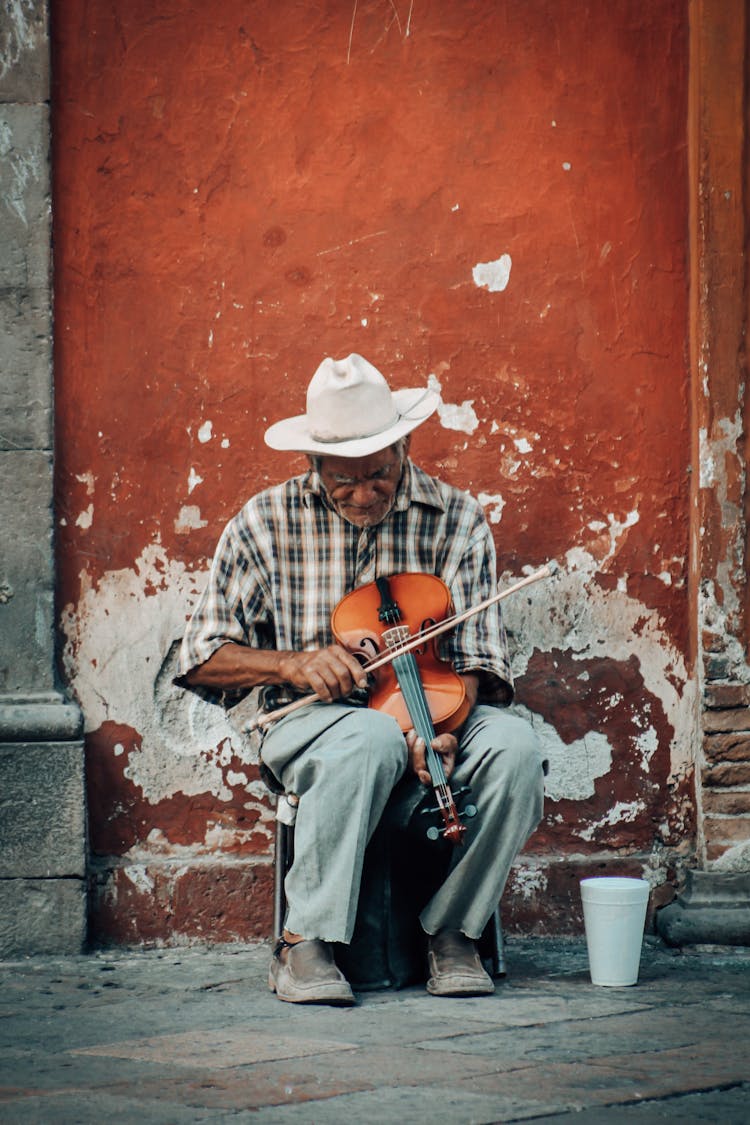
x=352, y=412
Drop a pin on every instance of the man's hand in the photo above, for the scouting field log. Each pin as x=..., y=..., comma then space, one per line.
x=445, y=745
x=329, y=672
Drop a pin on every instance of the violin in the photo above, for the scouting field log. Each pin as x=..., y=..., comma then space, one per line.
x=261, y=720
x=416, y=687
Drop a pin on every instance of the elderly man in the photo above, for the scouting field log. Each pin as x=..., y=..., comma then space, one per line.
x=364, y=511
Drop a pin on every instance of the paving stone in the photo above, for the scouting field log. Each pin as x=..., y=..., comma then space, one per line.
x=194, y=1035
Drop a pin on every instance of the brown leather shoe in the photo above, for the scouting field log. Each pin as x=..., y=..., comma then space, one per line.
x=455, y=966
x=306, y=973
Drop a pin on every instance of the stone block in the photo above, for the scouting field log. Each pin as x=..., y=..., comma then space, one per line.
x=42, y=916
x=727, y=695
x=24, y=52
x=731, y=747
x=26, y=593
x=734, y=719
x=712, y=909
x=42, y=811
x=726, y=829
x=25, y=250
x=26, y=362
x=726, y=774
x=732, y=802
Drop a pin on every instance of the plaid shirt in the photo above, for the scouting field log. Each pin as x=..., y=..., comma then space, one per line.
x=286, y=560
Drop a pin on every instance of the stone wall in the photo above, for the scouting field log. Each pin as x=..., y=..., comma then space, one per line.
x=42, y=820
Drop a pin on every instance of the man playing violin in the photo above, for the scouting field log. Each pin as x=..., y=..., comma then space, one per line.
x=364, y=511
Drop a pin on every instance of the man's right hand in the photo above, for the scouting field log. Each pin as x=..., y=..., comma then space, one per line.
x=329, y=672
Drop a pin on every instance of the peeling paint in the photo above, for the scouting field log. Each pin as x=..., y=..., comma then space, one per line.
x=189, y=519
x=573, y=768
x=86, y=518
x=573, y=613
x=530, y=878
x=493, y=275
x=139, y=877
x=193, y=480
x=623, y=811
x=205, y=432
x=451, y=415
x=132, y=684
x=493, y=501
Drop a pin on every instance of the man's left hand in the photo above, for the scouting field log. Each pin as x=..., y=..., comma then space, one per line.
x=446, y=745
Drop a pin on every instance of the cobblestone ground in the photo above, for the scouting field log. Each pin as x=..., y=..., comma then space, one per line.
x=194, y=1036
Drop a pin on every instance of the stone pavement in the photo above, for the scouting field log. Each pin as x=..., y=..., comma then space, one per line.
x=193, y=1035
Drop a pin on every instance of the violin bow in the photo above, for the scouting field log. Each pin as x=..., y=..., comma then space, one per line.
x=418, y=639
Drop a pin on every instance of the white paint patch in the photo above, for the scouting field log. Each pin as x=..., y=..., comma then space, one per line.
x=193, y=480
x=86, y=518
x=451, y=415
x=234, y=778
x=707, y=466
x=225, y=443
x=624, y=812
x=205, y=432
x=493, y=275
x=88, y=480
x=647, y=743
x=184, y=739
x=529, y=879
x=523, y=445
x=495, y=503
x=566, y=166
x=189, y=519
x=573, y=613
x=573, y=767
x=139, y=877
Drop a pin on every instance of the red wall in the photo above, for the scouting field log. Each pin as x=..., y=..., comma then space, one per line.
x=244, y=188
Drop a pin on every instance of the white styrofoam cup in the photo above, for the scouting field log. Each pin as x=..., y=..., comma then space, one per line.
x=614, y=914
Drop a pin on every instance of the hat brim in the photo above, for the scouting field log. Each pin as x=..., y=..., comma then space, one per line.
x=414, y=407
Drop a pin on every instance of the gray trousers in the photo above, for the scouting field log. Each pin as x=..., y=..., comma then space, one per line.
x=343, y=762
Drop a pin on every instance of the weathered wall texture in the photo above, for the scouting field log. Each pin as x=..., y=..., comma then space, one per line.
x=492, y=196
x=720, y=314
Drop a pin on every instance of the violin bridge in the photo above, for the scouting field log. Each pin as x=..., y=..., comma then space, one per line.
x=396, y=636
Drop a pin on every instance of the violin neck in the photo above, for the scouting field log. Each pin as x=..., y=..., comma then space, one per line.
x=410, y=682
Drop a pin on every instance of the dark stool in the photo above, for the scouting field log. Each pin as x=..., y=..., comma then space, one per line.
x=402, y=871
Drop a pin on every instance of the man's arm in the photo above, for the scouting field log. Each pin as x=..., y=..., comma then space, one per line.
x=328, y=672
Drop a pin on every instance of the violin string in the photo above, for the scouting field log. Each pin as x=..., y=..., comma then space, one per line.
x=407, y=674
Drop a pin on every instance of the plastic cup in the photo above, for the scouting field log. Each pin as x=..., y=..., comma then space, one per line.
x=614, y=914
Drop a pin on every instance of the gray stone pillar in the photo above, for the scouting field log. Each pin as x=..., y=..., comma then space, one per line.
x=42, y=812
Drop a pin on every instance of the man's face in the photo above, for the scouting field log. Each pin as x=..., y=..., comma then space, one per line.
x=362, y=489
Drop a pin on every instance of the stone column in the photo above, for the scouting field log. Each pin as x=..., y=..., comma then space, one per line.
x=715, y=903
x=42, y=812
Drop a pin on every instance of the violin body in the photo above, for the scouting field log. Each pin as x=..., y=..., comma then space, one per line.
x=424, y=600
x=418, y=688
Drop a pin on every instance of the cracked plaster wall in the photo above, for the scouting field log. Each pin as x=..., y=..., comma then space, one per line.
x=496, y=206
